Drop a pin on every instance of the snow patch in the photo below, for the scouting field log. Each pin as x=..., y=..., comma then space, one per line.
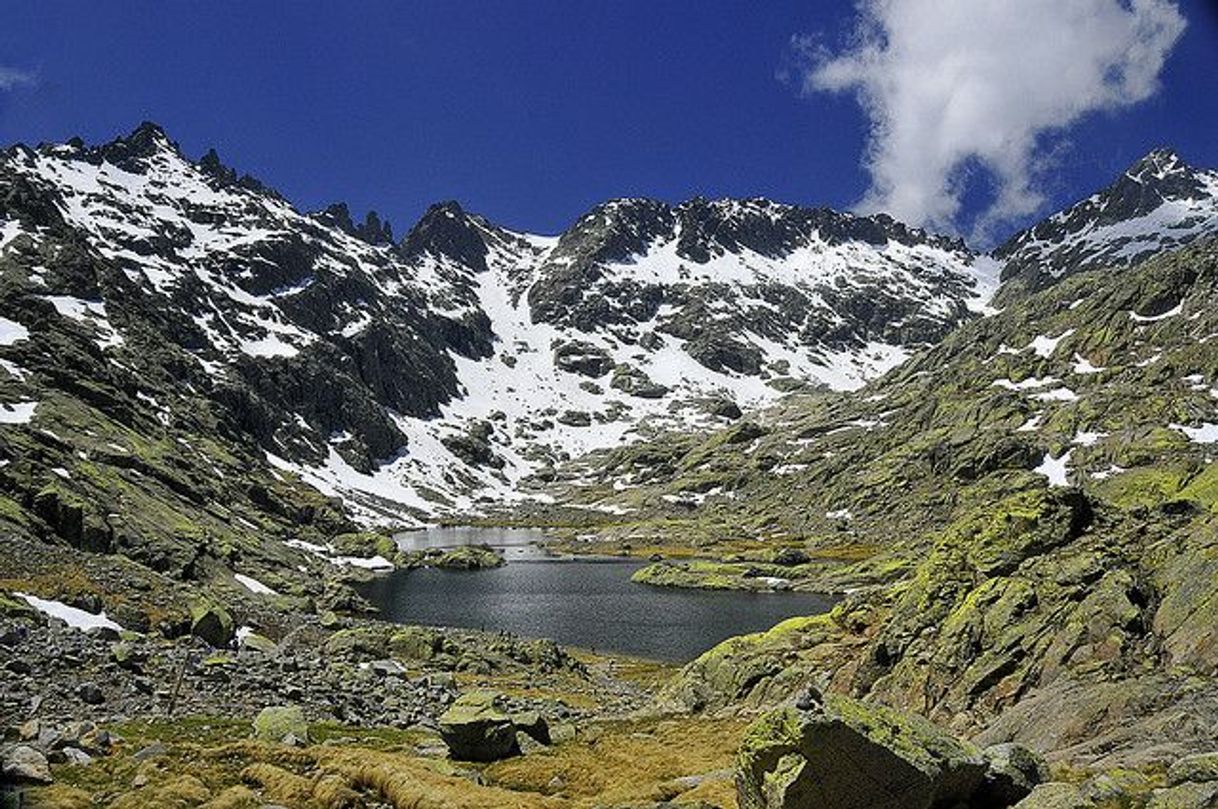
x=1055, y=469
x=1086, y=439
x=1104, y=474
x=1032, y=424
x=9, y=230
x=14, y=370
x=1056, y=395
x=1031, y=383
x=253, y=585
x=326, y=552
x=986, y=272
x=1044, y=346
x=1175, y=310
x=72, y=616
x=377, y=562
x=1205, y=434
x=90, y=313
x=1083, y=366
x=12, y=332
x=18, y=412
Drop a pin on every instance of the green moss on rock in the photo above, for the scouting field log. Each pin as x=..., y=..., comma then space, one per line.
x=277, y=722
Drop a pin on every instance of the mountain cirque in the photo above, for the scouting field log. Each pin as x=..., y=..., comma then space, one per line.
x=396, y=375
x=209, y=398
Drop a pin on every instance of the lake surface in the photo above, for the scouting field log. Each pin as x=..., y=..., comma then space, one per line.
x=586, y=602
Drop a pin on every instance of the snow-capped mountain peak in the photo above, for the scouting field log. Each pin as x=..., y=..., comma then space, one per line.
x=1158, y=203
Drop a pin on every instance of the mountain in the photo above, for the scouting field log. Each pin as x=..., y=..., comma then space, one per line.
x=433, y=374
x=1160, y=203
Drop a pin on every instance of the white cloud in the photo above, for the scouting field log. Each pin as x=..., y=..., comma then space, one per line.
x=947, y=83
x=11, y=77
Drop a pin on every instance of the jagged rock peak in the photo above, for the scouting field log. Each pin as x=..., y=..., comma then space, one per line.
x=1158, y=162
x=707, y=228
x=146, y=140
x=211, y=165
x=1159, y=203
x=446, y=230
x=372, y=230
x=1161, y=174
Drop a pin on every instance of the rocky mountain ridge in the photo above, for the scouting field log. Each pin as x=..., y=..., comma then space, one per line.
x=414, y=378
x=1159, y=203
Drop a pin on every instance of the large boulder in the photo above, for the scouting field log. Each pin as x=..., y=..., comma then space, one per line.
x=842, y=753
x=1200, y=768
x=579, y=357
x=636, y=383
x=212, y=623
x=1012, y=772
x=1185, y=796
x=22, y=764
x=416, y=643
x=279, y=723
x=1054, y=795
x=358, y=643
x=477, y=728
x=253, y=642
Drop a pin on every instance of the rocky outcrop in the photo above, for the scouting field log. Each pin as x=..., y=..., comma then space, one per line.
x=466, y=557
x=477, y=728
x=23, y=764
x=372, y=230
x=636, y=383
x=578, y=357
x=447, y=231
x=1190, y=784
x=839, y=753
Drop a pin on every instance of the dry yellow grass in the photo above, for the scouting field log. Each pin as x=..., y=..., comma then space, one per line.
x=607, y=764
x=632, y=761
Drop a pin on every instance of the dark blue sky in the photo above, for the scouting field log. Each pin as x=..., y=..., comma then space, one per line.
x=526, y=112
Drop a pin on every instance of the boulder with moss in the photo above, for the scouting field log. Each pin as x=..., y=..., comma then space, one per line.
x=466, y=557
x=416, y=643
x=279, y=722
x=478, y=728
x=842, y=753
x=212, y=623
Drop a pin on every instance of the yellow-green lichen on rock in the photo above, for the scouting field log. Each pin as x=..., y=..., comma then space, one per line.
x=844, y=753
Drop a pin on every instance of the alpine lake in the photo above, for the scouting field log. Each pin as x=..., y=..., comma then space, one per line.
x=583, y=601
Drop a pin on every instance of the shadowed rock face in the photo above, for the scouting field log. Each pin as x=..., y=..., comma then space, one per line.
x=446, y=230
